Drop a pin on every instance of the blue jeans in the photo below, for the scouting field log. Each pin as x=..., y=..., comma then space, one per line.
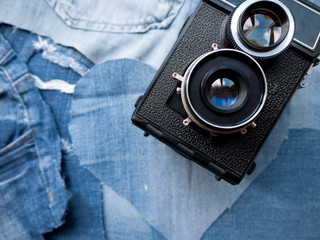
x=43, y=116
x=33, y=195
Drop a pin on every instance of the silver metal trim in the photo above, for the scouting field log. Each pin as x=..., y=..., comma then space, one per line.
x=230, y=4
x=185, y=97
x=234, y=29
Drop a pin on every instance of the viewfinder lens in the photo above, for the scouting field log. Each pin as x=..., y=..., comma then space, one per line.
x=262, y=28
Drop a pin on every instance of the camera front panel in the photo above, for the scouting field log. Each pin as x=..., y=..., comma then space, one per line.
x=229, y=156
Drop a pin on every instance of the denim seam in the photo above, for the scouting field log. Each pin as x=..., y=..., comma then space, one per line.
x=21, y=79
x=29, y=85
x=13, y=145
x=102, y=211
x=35, y=143
x=16, y=164
x=64, y=6
x=6, y=56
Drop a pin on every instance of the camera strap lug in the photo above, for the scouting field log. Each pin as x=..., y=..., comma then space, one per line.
x=304, y=84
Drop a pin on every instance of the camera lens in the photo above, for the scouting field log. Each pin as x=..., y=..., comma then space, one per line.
x=223, y=92
x=262, y=28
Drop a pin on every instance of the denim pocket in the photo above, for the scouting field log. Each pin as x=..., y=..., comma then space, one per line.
x=126, y=16
x=26, y=201
x=14, y=155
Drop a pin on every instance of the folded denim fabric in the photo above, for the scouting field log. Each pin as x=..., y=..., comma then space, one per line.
x=104, y=30
x=55, y=70
x=32, y=193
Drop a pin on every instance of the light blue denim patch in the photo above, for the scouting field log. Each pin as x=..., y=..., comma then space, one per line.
x=175, y=196
x=117, y=16
x=83, y=24
x=123, y=221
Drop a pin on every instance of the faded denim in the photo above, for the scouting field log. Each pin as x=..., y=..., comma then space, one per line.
x=84, y=217
x=284, y=201
x=104, y=30
x=33, y=197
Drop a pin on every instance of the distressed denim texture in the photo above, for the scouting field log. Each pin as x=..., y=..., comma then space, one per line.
x=84, y=217
x=32, y=193
x=104, y=30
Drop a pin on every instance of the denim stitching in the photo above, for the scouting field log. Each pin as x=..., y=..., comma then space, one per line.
x=21, y=79
x=64, y=6
x=29, y=85
x=35, y=142
x=17, y=144
x=6, y=56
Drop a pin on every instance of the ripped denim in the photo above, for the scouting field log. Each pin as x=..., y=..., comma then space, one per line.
x=36, y=146
x=33, y=198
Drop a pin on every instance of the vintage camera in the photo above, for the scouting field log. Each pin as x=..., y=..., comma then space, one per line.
x=228, y=78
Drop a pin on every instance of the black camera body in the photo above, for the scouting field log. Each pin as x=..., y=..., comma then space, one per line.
x=194, y=107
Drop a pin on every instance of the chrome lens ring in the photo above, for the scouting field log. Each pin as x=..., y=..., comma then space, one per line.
x=274, y=13
x=211, y=124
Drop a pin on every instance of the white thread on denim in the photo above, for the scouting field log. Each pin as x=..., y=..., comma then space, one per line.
x=54, y=84
x=50, y=53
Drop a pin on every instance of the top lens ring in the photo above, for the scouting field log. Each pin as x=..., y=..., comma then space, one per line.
x=262, y=28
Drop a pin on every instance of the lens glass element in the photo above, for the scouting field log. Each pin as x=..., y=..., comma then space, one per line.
x=262, y=28
x=224, y=92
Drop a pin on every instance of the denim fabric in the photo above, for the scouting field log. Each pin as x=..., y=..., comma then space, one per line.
x=284, y=201
x=117, y=16
x=123, y=221
x=84, y=218
x=170, y=193
x=32, y=193
x=148, y=191
x=104, y=30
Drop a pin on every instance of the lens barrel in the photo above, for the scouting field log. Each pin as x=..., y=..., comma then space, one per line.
x=224, y=90
x=262, y=28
